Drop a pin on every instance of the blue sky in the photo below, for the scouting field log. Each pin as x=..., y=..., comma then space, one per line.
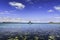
x=43, y=10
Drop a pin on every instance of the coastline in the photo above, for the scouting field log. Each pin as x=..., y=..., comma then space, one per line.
x=25, y=23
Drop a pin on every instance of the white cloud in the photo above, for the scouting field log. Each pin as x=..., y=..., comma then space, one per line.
x=7, y=12
x=4, y=12
x=57, y=7
x=17, y=5
x=40, y=7
x=50, y=10
x=28, y=0
x=57, y=17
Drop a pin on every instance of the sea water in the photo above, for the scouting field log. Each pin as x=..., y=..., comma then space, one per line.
x=42, y=31
x=28, y=27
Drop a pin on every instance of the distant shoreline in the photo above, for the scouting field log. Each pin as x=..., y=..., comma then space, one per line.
x=25, y=23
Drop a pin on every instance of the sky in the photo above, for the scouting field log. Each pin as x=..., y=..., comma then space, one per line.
x=41, y=10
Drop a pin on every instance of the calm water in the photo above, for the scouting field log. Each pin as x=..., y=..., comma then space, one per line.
x=41, y=30
x=29, y=27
